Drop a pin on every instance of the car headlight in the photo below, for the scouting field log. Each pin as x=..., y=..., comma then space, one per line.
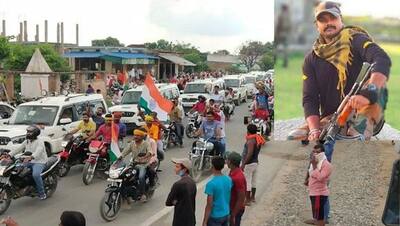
x=18, y=140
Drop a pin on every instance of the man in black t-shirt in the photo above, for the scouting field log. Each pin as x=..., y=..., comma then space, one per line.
x=183, y=195
x=331, y=69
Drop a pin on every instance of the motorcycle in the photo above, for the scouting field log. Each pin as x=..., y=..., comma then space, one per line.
x=263, y=126
x=169, y=136
x=201, y=156
x=74, y=152
x=124, y=180
x=97, y=160
x=194, y=122
x=16, y=180
x=228, y=109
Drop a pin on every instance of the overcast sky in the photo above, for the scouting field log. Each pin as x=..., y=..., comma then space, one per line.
x=207, y=24
x=376, y=8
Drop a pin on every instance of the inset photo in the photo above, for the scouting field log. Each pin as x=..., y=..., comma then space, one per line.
x=337, y=70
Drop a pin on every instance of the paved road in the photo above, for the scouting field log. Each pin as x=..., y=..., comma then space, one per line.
x=72, y=194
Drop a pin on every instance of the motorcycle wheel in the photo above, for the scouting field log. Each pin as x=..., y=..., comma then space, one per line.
x=196, y=169
x=6, y=196
x=110, y=205
x=51, y=184
x=165, y=141
x=189, y=131
x=63, y=169
x=150, y=192
x=88, y=173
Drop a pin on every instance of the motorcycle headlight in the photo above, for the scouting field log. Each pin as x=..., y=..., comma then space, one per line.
x=93, y=149
x=18, y=140
x=209, y=146
x=199, y=144
x=114, y=173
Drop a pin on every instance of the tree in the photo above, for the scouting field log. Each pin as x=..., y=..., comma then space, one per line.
x=267, y=62
x=250, y=52
x=199, y=59
x=161, y=44
x=109, y=41
x=222, y=52
x=5, y=49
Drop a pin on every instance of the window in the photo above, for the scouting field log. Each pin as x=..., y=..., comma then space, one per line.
x=68, y=113
x=5, y=112
x=27, y=115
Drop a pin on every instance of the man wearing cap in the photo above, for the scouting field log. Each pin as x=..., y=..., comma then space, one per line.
x=238, y=192
x=183, y=195
x=261, y=102
x=141, y=154
x=331, y=69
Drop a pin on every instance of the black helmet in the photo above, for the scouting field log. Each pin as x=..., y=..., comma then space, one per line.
x=32, y=132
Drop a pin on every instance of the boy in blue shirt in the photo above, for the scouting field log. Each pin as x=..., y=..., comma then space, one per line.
x=218, y=191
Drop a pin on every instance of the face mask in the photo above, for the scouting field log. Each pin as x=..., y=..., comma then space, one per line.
x=181, y=173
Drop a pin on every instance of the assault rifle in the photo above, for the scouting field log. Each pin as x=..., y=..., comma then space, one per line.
x=343, y=112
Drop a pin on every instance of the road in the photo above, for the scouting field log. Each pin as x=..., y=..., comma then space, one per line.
x=72, y=194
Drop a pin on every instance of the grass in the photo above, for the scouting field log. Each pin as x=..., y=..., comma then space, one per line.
x=288, y=87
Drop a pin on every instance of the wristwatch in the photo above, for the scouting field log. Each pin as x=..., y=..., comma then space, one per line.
x=372, y=87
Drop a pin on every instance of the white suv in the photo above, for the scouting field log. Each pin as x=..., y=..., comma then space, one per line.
x=200, y=87
x=130, y=100
x=237, y=83
x=250, y=83
x=56, y=116
x=6, y=111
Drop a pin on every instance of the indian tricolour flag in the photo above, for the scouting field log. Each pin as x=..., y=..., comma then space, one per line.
x=152, y=100
x=115, y=152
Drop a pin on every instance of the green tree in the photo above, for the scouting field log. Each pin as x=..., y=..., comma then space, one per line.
x=20, y=55
x=5, y=49
x=222, y=52
x=250, y=52
x=266, y=62
x=109, y=41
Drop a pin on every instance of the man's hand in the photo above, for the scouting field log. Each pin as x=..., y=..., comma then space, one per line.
x=8, y=221
x=357, y=102
x=314, y=134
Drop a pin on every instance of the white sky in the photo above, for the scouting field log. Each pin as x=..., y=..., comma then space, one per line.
x=208, y=24
x=376, y=8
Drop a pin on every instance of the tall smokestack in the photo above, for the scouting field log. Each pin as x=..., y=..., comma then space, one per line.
x=62, y=37
x=77, y=34
x=45, y=31
x=21, y=31
x=37, y=33
x=25, y=31
x=58, y=33
x=4, y=28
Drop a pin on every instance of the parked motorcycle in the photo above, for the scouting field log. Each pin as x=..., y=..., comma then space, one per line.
x=201, y=155
x=124, y=182
x=74, y=152
x=16, y=180
x=263, y=127
x=97, y=160
x=194, y=122
x=169, y=136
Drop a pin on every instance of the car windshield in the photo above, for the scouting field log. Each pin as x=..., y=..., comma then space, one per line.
x=27, y=115
x=131, y=97
x=261, y=77
x=195, y=88
x=250, y=80
x=231, y=82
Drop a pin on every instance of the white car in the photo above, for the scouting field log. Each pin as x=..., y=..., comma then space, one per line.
x=55, y=115
x=237, y=83
x=130, y=101
x=6, y=111
x=250, y=83
x=199, y=87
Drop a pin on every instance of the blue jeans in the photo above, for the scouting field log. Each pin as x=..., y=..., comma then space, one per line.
x=37, y=169
x=221, y=221
x=142, y=178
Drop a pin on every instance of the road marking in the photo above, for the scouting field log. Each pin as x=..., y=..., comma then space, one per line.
x=166, y=210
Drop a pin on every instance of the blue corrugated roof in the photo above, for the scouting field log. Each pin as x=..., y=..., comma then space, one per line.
x=83, y=54
x=124, y=55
